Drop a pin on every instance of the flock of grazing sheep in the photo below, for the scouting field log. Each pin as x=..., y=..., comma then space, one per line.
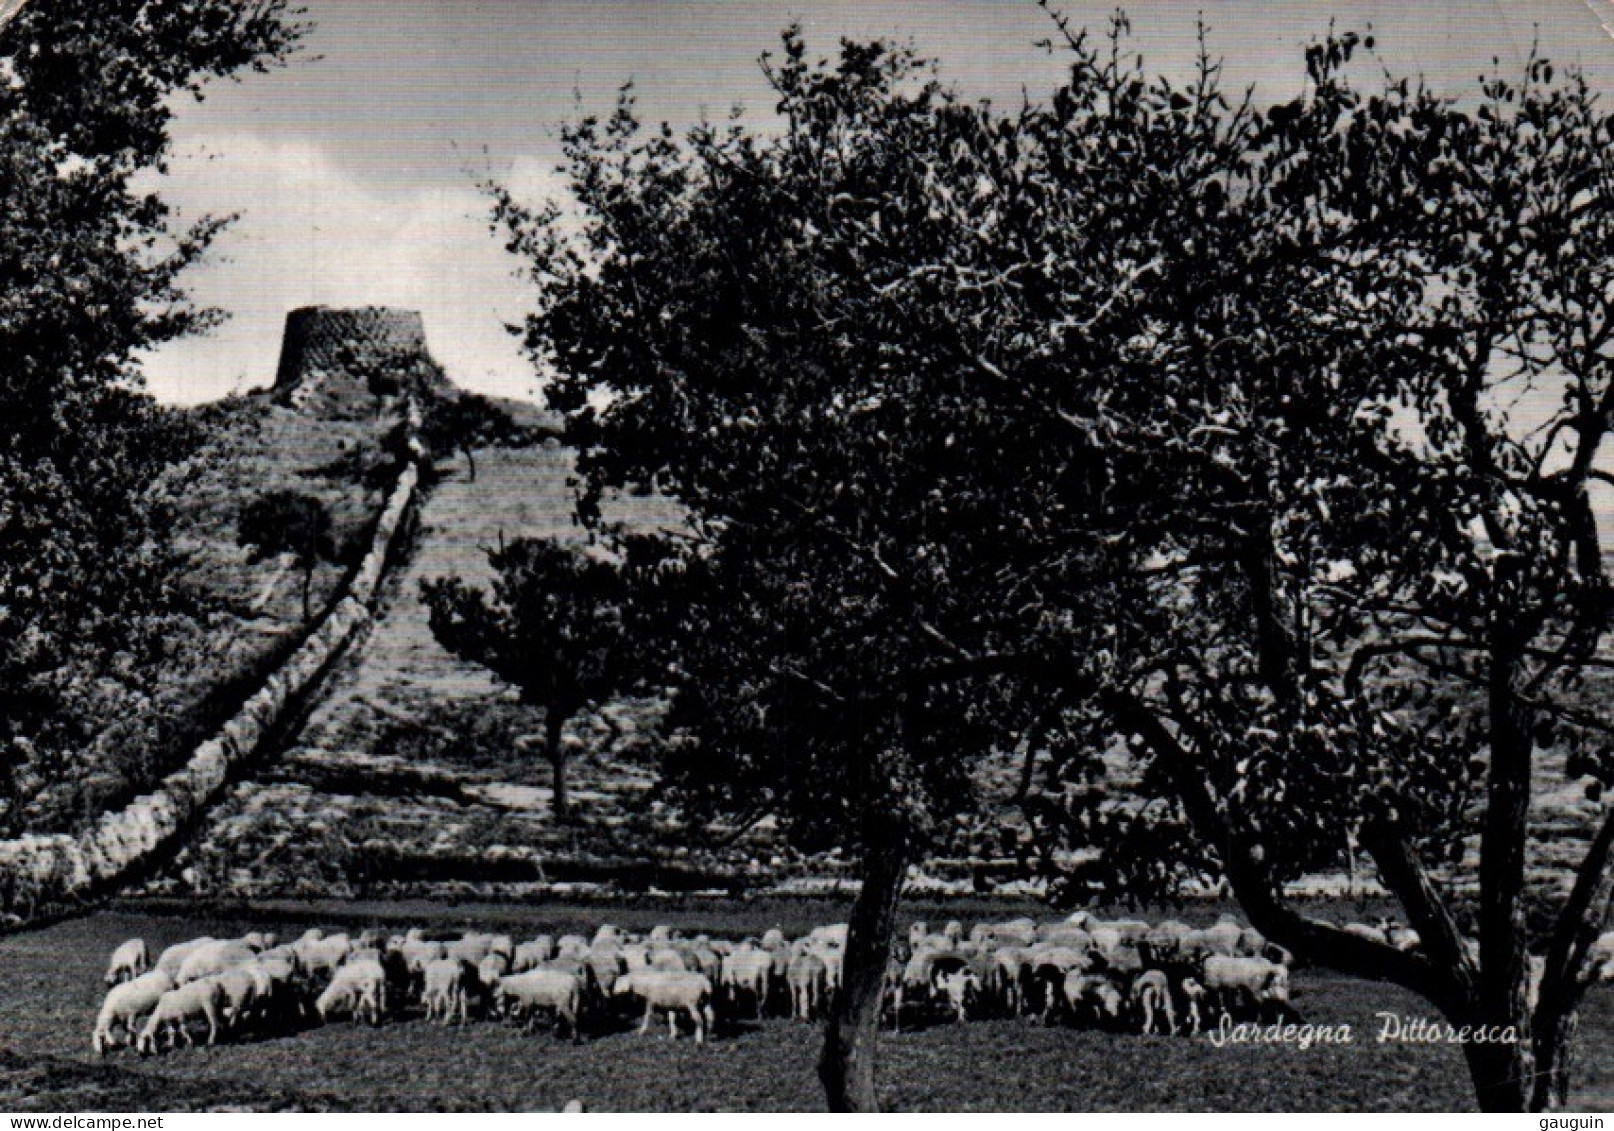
x=1116, y=974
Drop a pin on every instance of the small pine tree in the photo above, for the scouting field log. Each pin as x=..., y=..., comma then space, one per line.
x=289, y=522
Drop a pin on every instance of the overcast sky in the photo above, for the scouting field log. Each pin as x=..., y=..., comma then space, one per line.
x=355, y=168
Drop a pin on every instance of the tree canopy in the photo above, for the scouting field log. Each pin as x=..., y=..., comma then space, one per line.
x=465, y=422
x=289, y=522
x=89, y=276
x=1182, y=429
x=560, y=628
x=763, y=319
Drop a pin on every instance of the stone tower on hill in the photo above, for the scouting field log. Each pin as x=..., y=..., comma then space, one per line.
x=336, y=361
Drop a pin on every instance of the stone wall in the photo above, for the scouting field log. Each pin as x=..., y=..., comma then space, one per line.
x=40, y=871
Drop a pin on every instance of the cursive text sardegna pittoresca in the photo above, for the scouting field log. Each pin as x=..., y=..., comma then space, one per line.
x=1394, y=1027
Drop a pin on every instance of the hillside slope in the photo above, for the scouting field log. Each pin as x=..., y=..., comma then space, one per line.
x=232, y=613
x=414, y=760
x=415, y=771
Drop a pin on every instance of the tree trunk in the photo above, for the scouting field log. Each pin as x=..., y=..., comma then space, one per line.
x=846, y=1066
x=470, y=461
x=555, y=750
x=308, y=585
x=1501, y=1073
x=1555, y=1044
x=1568, y=969
x=1353, y=881
x=1504, y=1074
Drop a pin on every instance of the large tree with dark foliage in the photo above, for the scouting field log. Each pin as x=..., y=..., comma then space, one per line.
x=89, y=267
x=1352, y=396
x=1172, y=425
x=728, y=298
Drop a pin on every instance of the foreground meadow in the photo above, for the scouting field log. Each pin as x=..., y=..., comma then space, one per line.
x=50, y=989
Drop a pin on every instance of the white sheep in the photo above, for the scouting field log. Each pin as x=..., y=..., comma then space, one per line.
x=1132, y=931
x=1093, y=995
x=704, y=959
x=488, y=972
x=1151, y=996
x=675, y=992
x=322, y=955
x=745, y=972
x=448, y=984
x=936, y=944
x=1050, y=966
x=364, y=952
x=1068, y=936
x=177, y=1008
x=472, y=948
x=1013, y=932
x=124, y=1005
x=959, y=988
x=1251, y=983
x=807, y=978
x=572, y=946
x=246, y=990
x=533, y=954
x=666, y=958
x=917, y=982
x=559, y=992
x=834, y=963
x=285, y=952
x=359, y=988
x=171, y=959
x=417, y=954
x=605, y=961
x=1223, y=938
x=832, y=935
x=214, y=958
x=1006, y=981
x=130, y=960
x=1164, y=941
x=285, y=998
x=917, y=931
x=1600, y=959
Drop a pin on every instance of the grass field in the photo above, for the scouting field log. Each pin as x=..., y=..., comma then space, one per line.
x=50, y=990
